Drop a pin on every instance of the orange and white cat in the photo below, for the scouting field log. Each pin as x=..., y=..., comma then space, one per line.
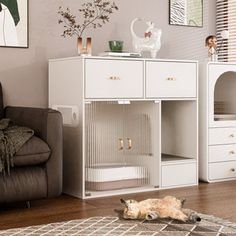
x=150, y=209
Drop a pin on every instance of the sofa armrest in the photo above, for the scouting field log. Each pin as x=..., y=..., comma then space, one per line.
x=47, y=124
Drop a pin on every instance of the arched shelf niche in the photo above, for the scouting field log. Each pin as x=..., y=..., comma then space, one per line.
x=225, y=97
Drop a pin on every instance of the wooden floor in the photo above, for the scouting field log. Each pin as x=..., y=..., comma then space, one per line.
x=218, y=199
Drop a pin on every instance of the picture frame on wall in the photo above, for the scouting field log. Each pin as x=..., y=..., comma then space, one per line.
x=14, y=23
x=186, y=12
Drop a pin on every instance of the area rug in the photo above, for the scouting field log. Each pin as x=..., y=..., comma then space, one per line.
x=112, y=226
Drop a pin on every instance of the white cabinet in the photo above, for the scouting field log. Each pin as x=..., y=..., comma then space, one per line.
x=171, y=79
x=217, y=121
x=136, y=130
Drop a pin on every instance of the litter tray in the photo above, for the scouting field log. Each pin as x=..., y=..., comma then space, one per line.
x=115, y=176
x=222, y=117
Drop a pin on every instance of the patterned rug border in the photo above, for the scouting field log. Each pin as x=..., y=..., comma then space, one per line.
x=218, y=220
x=60, y=228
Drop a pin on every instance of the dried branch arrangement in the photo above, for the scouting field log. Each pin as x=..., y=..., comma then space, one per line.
x=95, y=14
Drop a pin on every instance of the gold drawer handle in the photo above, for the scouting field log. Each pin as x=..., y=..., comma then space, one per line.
x=114, y=78
x=129, y=143
x=231, y=152
x=171, y=79
x=121, y=144
x=231, y=136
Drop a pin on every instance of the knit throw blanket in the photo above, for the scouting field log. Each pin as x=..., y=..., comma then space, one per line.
x=12, y=138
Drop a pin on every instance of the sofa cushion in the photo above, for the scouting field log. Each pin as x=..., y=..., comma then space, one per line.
x=23, y=184
x=34, y=152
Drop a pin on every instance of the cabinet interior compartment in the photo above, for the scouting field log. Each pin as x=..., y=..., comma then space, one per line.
x=179, y=131
x=121, y=145
x=225, y=97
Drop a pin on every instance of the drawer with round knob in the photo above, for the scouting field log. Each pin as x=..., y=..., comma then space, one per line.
x=222, y=136
x=222, y=153
x=222, y=170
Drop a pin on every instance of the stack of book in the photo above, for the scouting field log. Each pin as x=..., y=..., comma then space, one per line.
x=120, y=54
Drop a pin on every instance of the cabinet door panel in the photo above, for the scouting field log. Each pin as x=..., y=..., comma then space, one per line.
x=176, y=175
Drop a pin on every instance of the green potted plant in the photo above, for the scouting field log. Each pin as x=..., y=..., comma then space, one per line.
x=95, y=13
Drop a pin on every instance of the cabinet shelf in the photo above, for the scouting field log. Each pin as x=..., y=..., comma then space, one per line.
x=224, y=96
x=167, y=159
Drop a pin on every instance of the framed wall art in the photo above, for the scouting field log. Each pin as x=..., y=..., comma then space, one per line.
x=186, y=12
x=14, y=23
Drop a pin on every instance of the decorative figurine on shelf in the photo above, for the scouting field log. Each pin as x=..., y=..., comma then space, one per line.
x=151, y=209
x=211, y=43
x=151, y=41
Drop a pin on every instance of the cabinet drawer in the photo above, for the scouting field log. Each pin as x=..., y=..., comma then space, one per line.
x=113, y=79
x=222, y=170
x=222, y=153
x=182, y=174
x=222, y=136
x=171, y=79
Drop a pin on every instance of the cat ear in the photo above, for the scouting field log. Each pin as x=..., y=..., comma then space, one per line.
x=124, y=202
x=182, y=200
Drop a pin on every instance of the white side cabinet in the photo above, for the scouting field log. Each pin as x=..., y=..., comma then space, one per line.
x=130, y=125
x=217, y=121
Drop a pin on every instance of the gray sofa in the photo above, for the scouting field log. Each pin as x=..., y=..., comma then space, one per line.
x=37, y=171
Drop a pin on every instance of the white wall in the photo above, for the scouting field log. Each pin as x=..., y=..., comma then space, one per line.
x=23, y=72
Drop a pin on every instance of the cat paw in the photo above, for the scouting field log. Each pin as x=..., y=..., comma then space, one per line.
x=194, y=217
x=152, y=216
